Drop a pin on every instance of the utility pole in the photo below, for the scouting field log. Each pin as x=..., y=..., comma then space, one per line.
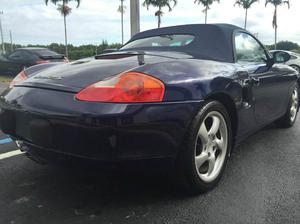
x=134, y=16
x=11, y=42
x=122, y=20
x=1, y=31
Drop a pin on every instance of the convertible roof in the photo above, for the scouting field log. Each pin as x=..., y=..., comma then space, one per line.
x=212, y=41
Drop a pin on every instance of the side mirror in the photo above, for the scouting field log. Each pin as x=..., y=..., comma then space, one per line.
x=281, y=57
x=270, y=62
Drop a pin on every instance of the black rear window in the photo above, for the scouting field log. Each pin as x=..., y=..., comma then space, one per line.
x=176, y=40
x=45, y=52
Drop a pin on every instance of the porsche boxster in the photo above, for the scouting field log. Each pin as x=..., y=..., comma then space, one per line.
x=187, y=93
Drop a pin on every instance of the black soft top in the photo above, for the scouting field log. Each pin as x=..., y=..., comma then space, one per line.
x=212, y=41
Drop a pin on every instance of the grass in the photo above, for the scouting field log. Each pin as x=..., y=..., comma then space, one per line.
x=5, y=79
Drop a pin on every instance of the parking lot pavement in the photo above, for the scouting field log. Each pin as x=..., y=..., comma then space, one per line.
x=261, y=185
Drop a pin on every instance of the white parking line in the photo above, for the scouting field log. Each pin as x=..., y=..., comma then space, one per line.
x=10, y=154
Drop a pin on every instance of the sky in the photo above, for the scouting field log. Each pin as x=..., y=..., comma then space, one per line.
x=32, y=22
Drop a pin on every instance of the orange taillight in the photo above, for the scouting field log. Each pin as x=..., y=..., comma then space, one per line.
x=131, y=87
x=18, y=79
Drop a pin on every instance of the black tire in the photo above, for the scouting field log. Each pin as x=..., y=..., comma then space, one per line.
x=187, y=175
x=287, y=120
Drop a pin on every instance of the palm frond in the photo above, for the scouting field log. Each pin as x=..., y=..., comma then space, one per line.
x=160, y=3
x=63, y=1
x=206, y=3
x=246, y=4
x=64, y=10
x=278, y=2
x=122, y=9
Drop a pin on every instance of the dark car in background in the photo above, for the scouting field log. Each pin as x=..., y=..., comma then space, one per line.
x=23, y=58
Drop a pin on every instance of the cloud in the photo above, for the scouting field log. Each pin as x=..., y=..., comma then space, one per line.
x=32, y=22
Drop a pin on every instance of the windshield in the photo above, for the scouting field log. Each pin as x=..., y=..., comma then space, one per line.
x=45, y=52
x=177, y=40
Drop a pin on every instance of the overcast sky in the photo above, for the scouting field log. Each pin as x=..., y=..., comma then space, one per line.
x=32, y=22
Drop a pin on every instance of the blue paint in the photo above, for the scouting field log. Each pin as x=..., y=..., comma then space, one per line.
x=5, y=141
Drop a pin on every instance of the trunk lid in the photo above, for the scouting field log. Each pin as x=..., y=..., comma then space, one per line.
x=74, y=76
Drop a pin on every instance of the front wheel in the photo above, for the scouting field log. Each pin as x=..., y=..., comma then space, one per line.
x=296, y=67
x=289, y=118
x=203, y=157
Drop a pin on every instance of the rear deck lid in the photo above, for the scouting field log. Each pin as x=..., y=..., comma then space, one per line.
x=74, y=76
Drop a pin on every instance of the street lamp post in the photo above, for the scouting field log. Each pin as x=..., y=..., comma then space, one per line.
x=134, y=16
x=1, y=31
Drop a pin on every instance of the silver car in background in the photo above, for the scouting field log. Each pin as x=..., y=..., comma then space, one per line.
x=289, y=58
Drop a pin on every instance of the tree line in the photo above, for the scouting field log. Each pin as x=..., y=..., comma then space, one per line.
x=65, y=10
x=88, y=50
x=75, y=52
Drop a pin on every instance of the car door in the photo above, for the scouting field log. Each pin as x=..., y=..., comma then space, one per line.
x=269, y=87
x=19, y=60
x=14, y=62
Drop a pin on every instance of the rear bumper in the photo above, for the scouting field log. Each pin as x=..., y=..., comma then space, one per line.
x=54, y=121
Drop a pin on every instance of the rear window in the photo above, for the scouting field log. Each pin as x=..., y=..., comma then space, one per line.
x=45, y=52
x=176, y=40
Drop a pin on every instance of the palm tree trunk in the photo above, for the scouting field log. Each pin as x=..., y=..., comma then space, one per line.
x=246, y=17
x=275, y=27
x=159, y=17
x=122, y=19
x=206, y=9
x=66, y=37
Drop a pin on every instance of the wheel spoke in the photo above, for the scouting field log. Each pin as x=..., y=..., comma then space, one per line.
x=201, y=159
x=203, y=134
x=211, y=164
x=293, y=111
x=221, y=144
x=294, y=105
x=215, y=126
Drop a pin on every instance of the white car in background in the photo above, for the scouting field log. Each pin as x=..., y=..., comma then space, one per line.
x=289, y=58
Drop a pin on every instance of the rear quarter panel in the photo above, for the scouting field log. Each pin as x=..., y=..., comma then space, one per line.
x=192, y=79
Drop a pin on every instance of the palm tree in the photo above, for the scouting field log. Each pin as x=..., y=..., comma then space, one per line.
x=64, y=10
x=246, y=4
x=160, y=4
x=122, y=10
x=206, y=4
x=276, y=3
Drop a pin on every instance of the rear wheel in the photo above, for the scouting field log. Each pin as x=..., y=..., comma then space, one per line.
x=290, y=116
x=203, y=158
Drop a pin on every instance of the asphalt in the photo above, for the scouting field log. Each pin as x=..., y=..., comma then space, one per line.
x=261, y=185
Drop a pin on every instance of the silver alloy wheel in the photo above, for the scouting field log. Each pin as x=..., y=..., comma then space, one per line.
x=294, y=106
x=211, y=146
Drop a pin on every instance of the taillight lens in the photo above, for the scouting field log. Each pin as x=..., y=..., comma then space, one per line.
x=38, y=62
x=131, y=87
x=18, y=79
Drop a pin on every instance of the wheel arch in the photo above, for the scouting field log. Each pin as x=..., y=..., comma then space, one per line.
x=228, y=103
x=291, y=65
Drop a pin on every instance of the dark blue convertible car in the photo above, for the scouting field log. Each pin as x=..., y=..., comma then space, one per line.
x=188, y=94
